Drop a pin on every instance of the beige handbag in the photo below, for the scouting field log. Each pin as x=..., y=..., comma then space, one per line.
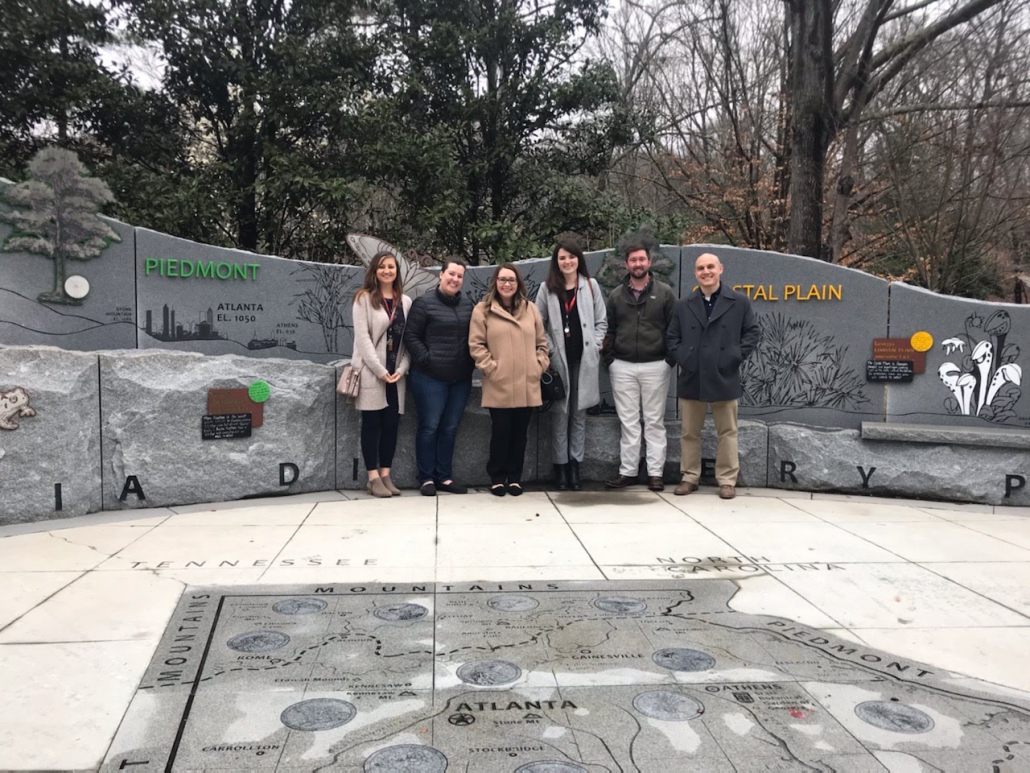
x=350, y=382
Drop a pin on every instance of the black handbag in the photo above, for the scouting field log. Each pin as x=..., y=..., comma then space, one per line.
x=551, y=386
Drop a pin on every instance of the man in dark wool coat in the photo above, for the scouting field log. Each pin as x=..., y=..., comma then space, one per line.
x=712, y=332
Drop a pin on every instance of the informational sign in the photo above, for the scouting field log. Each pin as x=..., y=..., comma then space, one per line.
x=226, y=426
x=892, y=349
x=891, y=371
x=224, y=401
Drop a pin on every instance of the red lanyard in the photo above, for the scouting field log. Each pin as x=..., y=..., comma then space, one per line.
x=570, y=304
x=391, y=305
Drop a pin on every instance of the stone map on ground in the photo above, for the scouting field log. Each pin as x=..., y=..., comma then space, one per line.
x=539, y=677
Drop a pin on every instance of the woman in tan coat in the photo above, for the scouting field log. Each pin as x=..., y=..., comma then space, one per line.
x=380, y=309
x=507, y=342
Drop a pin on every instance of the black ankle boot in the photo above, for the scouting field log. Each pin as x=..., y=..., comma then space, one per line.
x=561, y=477
x=574, y=482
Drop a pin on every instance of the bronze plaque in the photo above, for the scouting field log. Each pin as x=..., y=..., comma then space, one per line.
x=895, y=349
x=224, y=401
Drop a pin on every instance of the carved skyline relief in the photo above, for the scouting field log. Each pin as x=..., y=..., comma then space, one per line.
x=538, y=677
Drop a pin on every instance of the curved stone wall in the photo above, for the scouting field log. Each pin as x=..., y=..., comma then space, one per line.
x=122, y=427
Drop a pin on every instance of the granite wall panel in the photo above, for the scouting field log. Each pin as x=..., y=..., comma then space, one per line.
x=818, y=323
x=975, y=364
x=103, y=319
x=153, y=404
x=49, y=434
x=194, y=297
x=814, y=459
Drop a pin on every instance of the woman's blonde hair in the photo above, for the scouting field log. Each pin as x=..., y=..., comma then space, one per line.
x=521, y=296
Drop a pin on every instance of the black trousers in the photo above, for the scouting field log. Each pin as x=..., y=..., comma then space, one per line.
x=509, y=428
x=379, y=432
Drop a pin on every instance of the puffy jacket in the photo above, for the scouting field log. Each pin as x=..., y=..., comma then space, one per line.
x=437, y=336
x=636, y=328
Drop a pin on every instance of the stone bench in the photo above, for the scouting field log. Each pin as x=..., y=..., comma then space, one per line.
x=927, y=462
x=987, y=437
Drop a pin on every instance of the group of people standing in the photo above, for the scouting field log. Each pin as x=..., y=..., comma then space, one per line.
x=641, y=331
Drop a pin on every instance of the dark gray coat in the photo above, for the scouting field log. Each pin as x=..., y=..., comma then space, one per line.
x=709, y=352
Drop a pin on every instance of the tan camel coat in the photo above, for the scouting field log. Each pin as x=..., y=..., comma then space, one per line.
x=511, y=352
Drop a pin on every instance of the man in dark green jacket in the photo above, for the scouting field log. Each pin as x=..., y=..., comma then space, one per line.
x=713, y=330
x=639, y=311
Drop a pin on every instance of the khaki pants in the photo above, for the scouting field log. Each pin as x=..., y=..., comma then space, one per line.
x=640, y=389
x=727, y=462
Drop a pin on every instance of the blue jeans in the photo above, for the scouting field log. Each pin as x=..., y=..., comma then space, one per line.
x=440, y=406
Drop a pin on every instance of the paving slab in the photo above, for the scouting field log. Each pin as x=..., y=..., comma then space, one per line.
x=538, y=676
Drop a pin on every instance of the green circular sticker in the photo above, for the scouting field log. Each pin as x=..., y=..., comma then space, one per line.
x=259, y=391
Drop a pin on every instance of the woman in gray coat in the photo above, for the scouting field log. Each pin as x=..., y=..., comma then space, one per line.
x=575, y=320
x=380, y=311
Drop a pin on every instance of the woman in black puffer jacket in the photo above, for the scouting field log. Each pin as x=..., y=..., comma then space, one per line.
x=436, y=337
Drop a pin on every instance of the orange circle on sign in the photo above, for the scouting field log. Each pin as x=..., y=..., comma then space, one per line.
x=921, y=341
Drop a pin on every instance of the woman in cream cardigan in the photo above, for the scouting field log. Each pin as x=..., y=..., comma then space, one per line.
x=380, y=309
x=506, y=340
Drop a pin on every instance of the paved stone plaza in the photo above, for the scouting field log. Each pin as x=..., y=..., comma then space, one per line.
x=558, y=633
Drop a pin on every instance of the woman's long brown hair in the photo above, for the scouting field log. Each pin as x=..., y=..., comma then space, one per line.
x=370, y=286
x=520, y=293
x=555, y=278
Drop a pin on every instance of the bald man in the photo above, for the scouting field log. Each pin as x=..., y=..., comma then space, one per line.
x=712, y=332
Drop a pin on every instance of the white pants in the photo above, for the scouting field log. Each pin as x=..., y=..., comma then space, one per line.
x=637, y=385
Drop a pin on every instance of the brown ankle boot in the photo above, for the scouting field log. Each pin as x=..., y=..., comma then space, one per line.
x=376, y=488
x=389, y=485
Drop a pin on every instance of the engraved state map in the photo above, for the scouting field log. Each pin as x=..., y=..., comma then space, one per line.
x=538, y=677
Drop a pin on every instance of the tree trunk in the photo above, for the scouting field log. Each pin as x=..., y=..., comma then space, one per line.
x=840, y=225
x=811, y=81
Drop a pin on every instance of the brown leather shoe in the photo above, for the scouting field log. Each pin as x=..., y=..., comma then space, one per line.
x=685, y=488
x=655, y=483
x=727, y=492
x=620, y=481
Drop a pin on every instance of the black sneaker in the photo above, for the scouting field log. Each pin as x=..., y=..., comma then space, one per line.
x=452, y=488
x=427, y=489
x=515, y=489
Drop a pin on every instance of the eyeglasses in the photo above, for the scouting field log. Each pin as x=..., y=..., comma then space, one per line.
x=506, y=281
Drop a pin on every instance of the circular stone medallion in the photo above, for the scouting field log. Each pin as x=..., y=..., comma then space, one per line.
x=620, y=605
x=317, y=714
x=489, y=673
x=258, y=641
x=409, y=757
x=513, y=603
x=683, y=659
x=550, y=766
x=896, y=717
x=668, y=705
x=401, y=612
x=76, y=287
x=298, y=606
